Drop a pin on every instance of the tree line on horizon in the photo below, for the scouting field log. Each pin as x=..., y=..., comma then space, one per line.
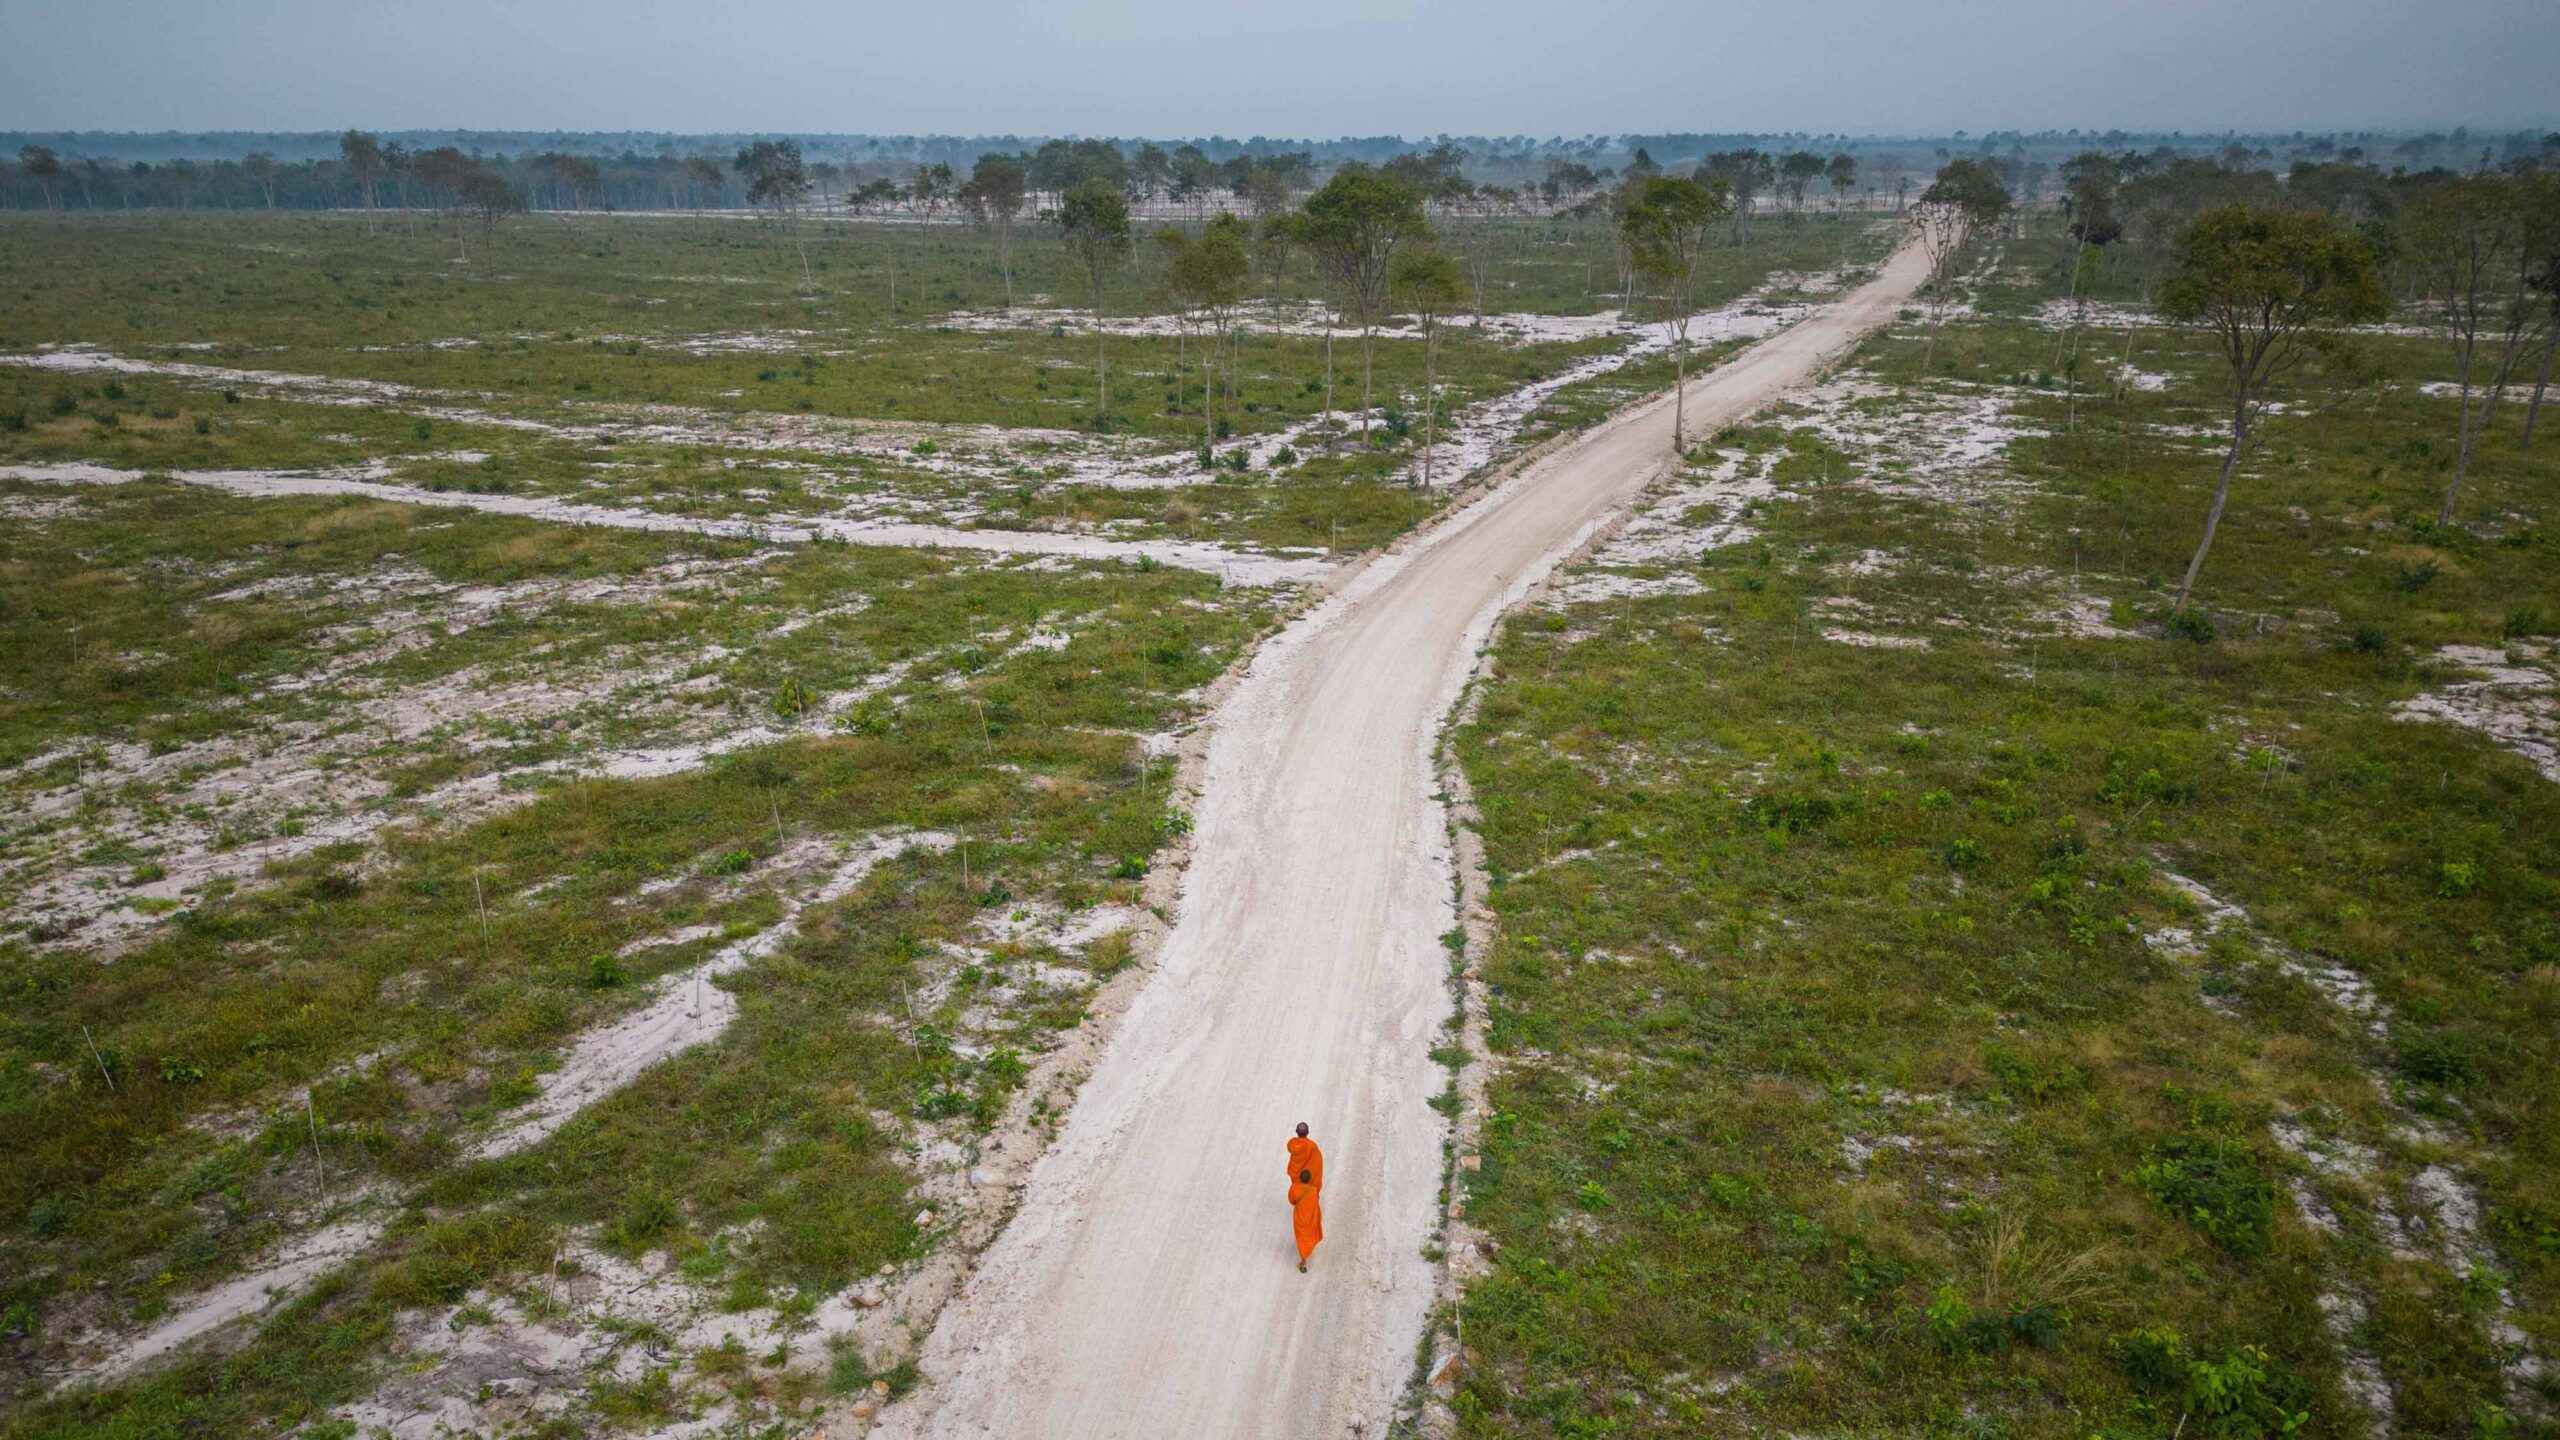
x=2281, y=264
x=562, y=172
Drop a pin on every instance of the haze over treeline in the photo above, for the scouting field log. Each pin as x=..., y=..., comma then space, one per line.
x=240, y=169
x=1316, y=67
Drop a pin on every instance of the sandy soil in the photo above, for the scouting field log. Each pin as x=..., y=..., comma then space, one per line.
x=1147, y=1287
x=686, y=1009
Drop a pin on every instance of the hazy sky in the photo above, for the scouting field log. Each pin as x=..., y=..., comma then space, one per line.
x=1303, y=68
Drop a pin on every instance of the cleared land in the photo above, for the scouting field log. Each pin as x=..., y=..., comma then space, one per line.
x=1924, y=997
x=514, y=923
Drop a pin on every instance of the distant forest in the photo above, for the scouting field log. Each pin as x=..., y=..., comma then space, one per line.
x=642, y=170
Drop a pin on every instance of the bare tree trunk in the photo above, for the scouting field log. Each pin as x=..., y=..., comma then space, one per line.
x=2462, y=446
x=1368, y=369
x=1328, y=375
x=2541, y=383
x=2221, y=494
x=1430, y=395
x=1680, y=388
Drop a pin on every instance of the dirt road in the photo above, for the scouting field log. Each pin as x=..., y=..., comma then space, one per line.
x=1148, y=1286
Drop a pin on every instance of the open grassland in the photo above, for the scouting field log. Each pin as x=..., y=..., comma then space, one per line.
x=327, y=1039
x=1927, y=998
x=468, y=969
x=700, y=366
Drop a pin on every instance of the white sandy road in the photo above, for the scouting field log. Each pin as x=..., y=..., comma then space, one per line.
x=1147, y=1286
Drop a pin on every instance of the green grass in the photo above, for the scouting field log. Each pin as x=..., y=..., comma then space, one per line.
x=1840, y=1092
x=367, y=975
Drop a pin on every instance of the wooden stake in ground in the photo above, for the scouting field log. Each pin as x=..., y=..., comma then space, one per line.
x=311, y=1112
x=103, y=1072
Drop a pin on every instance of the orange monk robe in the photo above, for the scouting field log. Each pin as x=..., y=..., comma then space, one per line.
x=1303, y=1155
x=1306, y=1217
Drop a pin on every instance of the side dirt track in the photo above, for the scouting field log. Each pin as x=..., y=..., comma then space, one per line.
x=1148, y=1285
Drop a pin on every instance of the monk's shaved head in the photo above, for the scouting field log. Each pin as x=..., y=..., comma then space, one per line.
x=1302, y=1129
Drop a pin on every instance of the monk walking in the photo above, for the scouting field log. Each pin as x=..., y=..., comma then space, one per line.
x=1306, y=1188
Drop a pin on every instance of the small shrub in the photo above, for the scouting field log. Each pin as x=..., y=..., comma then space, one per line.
x=335, y=885
x=2032, y=1071
x=2217, y=1186
x=2366, y=640
x=2414, y=578
x=647, y=1214
x=2525, y=620
x=734, y=862
x=792, y=698
x=848, y=1373
x=2456, y=878
x=1793, y=812
x=2191, y=625
x=2243, y=1396
x=2154, y=1358
x=605, y=972
x=13, y=422
x=2442, y=1058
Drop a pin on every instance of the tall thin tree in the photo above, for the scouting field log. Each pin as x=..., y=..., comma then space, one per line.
x=2275, y=287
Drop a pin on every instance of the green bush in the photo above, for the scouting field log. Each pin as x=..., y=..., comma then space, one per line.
x=792, y=698
x=2191, y=625
x=2442, y=1058
x=2032, y=1071
x=2154, y=1358
x=647, y=1214
x=2218, y=1186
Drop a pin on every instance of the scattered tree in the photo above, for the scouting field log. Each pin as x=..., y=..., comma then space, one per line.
x=2466, y=239
x=1962, y=202
x=2275, y=286
x=1665, y=230
x=1209, y=278
x=362, y=155
x=1426, y=282
x=1355, y=225
x=1095, y=220
x=45, y=168
x=262, y=169
x=2542, y=276
x=1841, y=172
x=1796, y=170
x=994, y=194
x=773, y=173
x=1746, y=175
